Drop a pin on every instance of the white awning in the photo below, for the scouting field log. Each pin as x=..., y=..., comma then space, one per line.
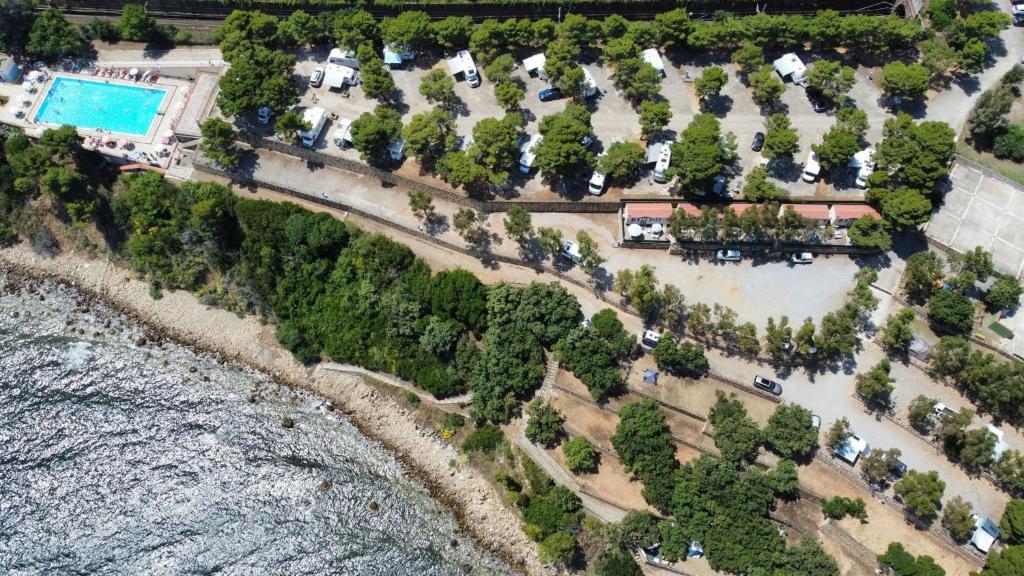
x=535, y=62
x=336, y=76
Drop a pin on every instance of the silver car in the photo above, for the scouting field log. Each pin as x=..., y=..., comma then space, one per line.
x=767, y=385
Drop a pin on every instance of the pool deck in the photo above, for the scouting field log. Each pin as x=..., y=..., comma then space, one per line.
x=142, y=149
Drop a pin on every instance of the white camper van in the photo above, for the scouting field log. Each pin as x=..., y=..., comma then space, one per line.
x=653, y=57
x=316, y=117
x=527, y=153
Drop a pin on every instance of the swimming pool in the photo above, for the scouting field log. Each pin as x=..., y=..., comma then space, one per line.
x=88, y=104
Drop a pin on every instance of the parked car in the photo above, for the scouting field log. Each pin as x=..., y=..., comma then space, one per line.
x=811, y=168
x=802, y=258
x=728, y=256
x=263, y=115
x=758, y=142
x=941, y=409
x=767, y=385
x=818, y=100
x=317, y=78
x=571, y=251
x=816, y=421
x=549, y=94
x=1017, y=8
x=649, y=339
x=596, y=185
x=718, y=186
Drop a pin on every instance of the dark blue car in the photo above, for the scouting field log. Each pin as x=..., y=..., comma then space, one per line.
x=549, y=94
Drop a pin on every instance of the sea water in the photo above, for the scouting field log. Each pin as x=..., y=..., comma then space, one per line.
x=118, y=458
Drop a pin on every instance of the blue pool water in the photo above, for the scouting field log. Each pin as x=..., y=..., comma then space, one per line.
x=89, y=104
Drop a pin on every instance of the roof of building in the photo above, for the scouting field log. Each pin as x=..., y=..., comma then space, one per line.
x=653, y=57
x=788, y=64
x=461, y=62
x=852, y=448
x=645, y=210
x=534, y=62
x=689, y=208
x=919, y=348
x=854, y=211
x=741, y=207
x=985, y=533
x=810, y=211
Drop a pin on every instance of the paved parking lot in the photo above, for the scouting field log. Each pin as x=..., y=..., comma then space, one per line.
x=980, y=210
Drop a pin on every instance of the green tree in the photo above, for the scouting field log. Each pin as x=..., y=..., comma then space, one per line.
x=616, y=561
x=923, y=269
x=920, y=411
x=1004, y=294
x=831, y=78
x=562, y=152
x=758, y=188
x=1011, y=525
x=544, y=425
x=438, y=87
x=766, y=85
x=219, y=142
x=937, y=56
x=896, y=334
x=838, y=433
x=654, y=116
x=875, y=386
x=518, y=224
x=580, y=455
x=550, y=240
x=840, y=507
x=641, y=434
x=63, y=142
x=258, y=77
x=871, y=232
x=452, y=32
x=977, y=261
x=640, y=287
x=509, y=94
x=736, y=435
x=410, y=29
x=51, y=37
x=135, y=25
x=778, y=337
x=374, y=75
x=354, y=28
x=1005, y=562
x=908, y=81
x=978, y=449
x=921, y=493
x=956, y=518
x=558, y=548
x=622, y=160
x=684, y=358
x=989, y=116
x=1010, y=144
x=590, y=258
x=372, y=133
x=290, y=124
x=698, y=157
x=903, y=206
x=902, y=563
x=951, y=312
x=780, y=138
x=915, y=155
x=711, y=82
x=429, y=135
x=837, y=147
x=880, y=465
x=748, y=58
x=300, y=29
x=790, y=433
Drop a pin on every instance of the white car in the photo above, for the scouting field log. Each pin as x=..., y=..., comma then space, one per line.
x=802, y=258
x=728, y=256
x=815, y=421
x=811, y=168
x=596, y=186
x=571, y=251
x=1017, y=8
x=649, y=339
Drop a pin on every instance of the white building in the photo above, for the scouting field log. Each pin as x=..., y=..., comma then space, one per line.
x=985, y=533
x=791, y=68
x=9, y=70
x=316, y=118
x=653, y=57
x=852, y=448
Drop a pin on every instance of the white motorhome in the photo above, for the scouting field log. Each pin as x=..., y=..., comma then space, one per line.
x=316, y=117
x=653, y=57
x=340, y=70
x=462, y=63
x=662, y=163
x=535, y=64
x=790, y=67
x=528, y=153
x=864, y=162
x=342, y=135
x=589, y=84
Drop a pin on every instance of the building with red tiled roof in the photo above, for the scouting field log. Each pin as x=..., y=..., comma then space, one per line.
x=646, y=214
x=818, y=214
x=844, y=215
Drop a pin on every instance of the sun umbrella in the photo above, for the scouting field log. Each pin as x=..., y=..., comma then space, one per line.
x=133, y=72
x=124, y=143
x=31, y=76
x=25, y=101
x=28, y=86
x=634, y=230
x=15, y=111
x=168, y=133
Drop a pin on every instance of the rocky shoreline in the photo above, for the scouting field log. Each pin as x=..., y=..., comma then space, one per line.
x=179, y=316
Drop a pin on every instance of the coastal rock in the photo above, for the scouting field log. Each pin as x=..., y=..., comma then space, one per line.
x=288, y=423
x=374, y=507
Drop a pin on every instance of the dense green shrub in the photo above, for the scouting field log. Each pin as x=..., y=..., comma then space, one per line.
x=485, y=439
